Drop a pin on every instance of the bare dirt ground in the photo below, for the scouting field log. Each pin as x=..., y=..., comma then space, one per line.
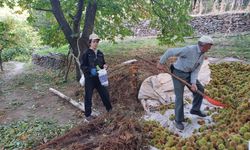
x=19, y=102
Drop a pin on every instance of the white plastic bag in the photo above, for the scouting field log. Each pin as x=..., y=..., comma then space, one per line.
x=82, y=80
x=103, y=77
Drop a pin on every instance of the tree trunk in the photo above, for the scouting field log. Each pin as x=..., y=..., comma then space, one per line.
x=196, y=7
x=1, y=63
x=215, y=6
x=58, y=13
x=78, y=45
x=68, y=33
x=201, y=7
x=69, y=60
x=194, y=4
x=248, y=6
x=233, y=5
x=83, y=42
x=240, y=4
x=76, y=30
x=223, y=6
x=88, y=26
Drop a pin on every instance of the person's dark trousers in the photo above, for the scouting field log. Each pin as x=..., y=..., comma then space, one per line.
x=179, y=90
x=90, y=84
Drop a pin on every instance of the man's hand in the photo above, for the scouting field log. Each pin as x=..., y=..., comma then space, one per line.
x=160, y=67
x=194, y=87
x=105, y=66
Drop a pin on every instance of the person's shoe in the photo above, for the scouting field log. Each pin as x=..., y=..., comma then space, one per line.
x=109, y=111
x=179, y=125
x=89, y=118
x=198, y=113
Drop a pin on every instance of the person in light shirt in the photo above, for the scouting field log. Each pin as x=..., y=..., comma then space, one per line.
x=187, y=67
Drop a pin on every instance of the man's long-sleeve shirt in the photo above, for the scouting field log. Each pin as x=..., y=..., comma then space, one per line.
x=190, y=59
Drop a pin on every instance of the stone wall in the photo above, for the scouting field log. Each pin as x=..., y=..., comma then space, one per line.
x=50, y=61
x=223, y=23
x=143, y=29
x=206, y=24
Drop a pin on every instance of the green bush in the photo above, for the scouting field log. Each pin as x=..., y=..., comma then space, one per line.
x=22, y=58
x=12, y=53
x=18, y=39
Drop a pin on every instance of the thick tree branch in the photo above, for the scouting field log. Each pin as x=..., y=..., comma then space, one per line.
x=88, y=24
x=42, y=9
x=89, y=18
x=58, y=13
x=78, y=16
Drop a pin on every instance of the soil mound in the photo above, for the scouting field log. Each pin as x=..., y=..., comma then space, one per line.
x=119, y=129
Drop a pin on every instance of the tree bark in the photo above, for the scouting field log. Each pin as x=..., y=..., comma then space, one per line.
x=201, y=7
x=223, y=6
x=68, y=33
x=1, y=63
x=233, y=5
x=58, y=13
x=240, y=4
x=78, y=45
x=77, y=17
x=76, y=30
x=194, y=4
x=69, y=58
x=88, y=25
x=215, y=6
x=83, y=42
x=248, y=6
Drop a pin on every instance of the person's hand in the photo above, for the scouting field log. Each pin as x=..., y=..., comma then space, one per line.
x=160, y=67
x=194, y=87
x=93, y=72
x=105, y=66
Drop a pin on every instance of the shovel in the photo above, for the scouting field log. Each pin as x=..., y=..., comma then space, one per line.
x=210, y=100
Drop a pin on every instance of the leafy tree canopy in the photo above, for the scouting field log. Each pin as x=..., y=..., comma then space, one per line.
x=112, y=19
x=6, y=36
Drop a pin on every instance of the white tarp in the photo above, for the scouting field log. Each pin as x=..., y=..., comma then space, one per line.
x=160, y=87
x=158, y=90
x=189, y=127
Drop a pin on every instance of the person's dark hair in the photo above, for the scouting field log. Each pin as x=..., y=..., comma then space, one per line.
x=89, y=43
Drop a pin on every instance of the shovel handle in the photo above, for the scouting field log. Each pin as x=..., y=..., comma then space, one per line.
x=178, y=78
x=210, y=100
x=185, y=82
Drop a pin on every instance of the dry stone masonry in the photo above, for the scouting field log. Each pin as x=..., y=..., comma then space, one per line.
x=50, y=61
x=223, y=23
x=206, y=24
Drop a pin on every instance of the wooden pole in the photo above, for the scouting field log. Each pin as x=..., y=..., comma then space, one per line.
x=1, y=62
x=73, y=102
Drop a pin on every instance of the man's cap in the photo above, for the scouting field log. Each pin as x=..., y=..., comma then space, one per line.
x=94, y=36
x=206, y=39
